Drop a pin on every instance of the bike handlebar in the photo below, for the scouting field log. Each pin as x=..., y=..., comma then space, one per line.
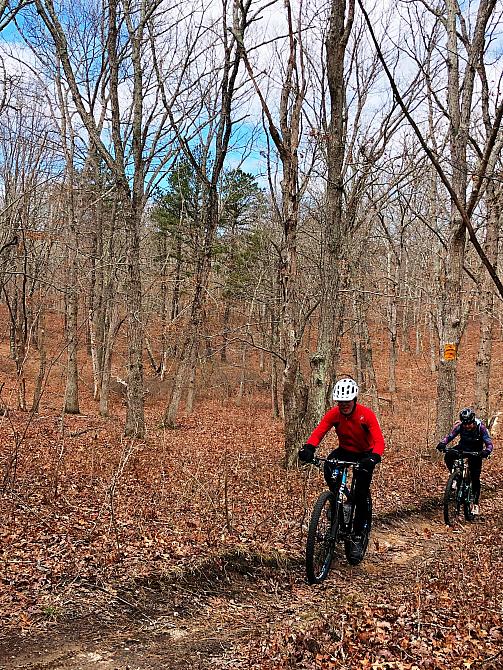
x=463, y=454
x=318, y=460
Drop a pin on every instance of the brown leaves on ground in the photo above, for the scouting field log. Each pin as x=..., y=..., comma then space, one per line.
x=441, y=612
x=87, y=517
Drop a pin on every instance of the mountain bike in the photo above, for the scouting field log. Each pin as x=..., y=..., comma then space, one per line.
x=332, y=521
x=458, y=491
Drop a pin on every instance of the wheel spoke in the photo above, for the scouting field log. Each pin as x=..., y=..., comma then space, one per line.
x=452, y=499
x=467, y=503
x=320, y=545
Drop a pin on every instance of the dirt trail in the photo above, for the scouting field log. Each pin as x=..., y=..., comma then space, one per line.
x=206, y=621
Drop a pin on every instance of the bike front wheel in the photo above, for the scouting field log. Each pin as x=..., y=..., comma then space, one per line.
x=321, y=538
x=467, y=503
x=452, y=501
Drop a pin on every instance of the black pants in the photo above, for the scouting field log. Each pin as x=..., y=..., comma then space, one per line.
x=363, y=479
x=474, y=467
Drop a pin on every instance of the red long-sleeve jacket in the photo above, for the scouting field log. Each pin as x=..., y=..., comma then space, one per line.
x=359, y=432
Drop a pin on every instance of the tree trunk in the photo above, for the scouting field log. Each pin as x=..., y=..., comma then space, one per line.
x=191, y=387
x=180, y=378
x=106, y=368
x=394, y=280
x=71, y=405
x=358, y=353
x=225, y=331
x=370, y=380
x=324, y=361
x=135, y=412
x=483, y=360
x=484, y=354
x=433, y=341
x=37, y=391
x=459, y=102
x=450, y=334
x=197, y=309
x=275, y=346
x=295, y=394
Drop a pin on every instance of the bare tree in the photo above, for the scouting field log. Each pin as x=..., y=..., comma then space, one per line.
x=493, y=200
x=460, y=93
x=28, y=161
x=220, y=96
x=137, y=134
x=286, y=135
x=463, y=52
x=9, y=10
x=324, y=361
x=71, y=401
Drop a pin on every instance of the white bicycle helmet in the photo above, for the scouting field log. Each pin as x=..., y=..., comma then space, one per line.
x=345, y=389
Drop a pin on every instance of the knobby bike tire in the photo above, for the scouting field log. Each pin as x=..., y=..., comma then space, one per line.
x=321, y=538
x=467, y=502
x=452, y=502
x=366, y=536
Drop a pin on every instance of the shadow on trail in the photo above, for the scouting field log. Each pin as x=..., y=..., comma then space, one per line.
x=184, y=618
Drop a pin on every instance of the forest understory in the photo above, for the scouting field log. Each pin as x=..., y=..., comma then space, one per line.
x=187, y=551
x=426, y=597
x=209, y=213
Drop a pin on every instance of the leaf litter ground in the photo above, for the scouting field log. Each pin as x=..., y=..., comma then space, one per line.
x=186, y=551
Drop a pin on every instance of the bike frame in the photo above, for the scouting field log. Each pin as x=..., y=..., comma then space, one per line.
x=332, y=520
x=461, y=465
x=344, y=495
x=461, y=460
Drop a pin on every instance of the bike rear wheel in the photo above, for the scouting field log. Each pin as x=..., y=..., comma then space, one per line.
x=352, y=560
x=321, y=538
x=452, y=501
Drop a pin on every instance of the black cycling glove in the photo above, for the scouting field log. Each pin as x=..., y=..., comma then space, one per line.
x=306, y=454
x=441, y=447
x=370, y=459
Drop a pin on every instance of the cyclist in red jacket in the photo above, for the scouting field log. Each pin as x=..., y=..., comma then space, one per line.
x=360, y=440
